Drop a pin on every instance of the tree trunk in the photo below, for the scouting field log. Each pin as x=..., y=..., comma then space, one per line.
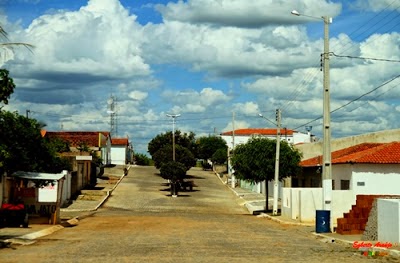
x=266, y=196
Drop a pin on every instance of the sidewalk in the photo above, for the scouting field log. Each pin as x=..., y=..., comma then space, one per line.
x=85, y=205
x=255, y=204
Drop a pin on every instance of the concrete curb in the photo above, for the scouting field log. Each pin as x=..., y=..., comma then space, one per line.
x=109, y=192
x=29, y=238
x=104, y=198
x=283, y=222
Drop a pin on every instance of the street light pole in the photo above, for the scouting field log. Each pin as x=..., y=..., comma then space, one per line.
x=277, y=154
x=173, y=116
x=326, y=151
x=276, y=178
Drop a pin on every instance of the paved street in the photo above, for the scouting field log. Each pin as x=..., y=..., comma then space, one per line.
x=141, y=222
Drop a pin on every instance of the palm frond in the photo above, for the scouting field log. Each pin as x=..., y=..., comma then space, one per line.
x=3, y=32
x=16, y=44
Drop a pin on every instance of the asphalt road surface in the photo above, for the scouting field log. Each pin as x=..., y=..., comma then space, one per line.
x=141, y=222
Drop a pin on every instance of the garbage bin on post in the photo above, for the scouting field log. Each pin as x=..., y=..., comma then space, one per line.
x=323, y=221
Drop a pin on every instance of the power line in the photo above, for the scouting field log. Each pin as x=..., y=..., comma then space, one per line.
x=311, y=75
x=374, y=98
x=341, y=107
x=365, y=94
x=365, y=58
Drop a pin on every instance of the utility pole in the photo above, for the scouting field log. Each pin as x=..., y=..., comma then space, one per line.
x=326, y=148
x=327, y=167
x=233, y=183
x=276, y=178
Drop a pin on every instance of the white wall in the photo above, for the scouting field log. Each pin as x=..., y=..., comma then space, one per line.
x=389, y=220
x=118, y=155
x=310, y=200
x=342, y=200
x=286, y=203
x=271, y=188
x=301, y=204
x=66, y=192
x=243, y=139
x=300, y=138
x=377, y=179
x=341, y=172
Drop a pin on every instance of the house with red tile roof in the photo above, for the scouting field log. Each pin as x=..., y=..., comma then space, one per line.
x=121, y=151
x=240, y=136
x=367, y=168
x=97, y=141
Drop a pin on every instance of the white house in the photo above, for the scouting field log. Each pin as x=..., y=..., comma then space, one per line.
x=367, y=168
x=120, y=151
x=363, y=169
x=241, y=136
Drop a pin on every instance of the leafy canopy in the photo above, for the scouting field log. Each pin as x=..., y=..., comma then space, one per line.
x=255, y=160
x=22, y=147
x=173, y=171
x=182, y=155
x=186, y=140
x=7, y=86
x=207, y=146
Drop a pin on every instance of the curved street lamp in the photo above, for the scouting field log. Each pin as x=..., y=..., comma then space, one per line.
x=326, y=153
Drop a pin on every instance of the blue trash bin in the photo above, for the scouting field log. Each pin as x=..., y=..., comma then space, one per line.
x=323, y=221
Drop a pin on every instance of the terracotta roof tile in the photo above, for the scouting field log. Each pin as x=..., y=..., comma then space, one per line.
x=119, y=141
x=77, y=137
x=383, y=153
x=254, y=131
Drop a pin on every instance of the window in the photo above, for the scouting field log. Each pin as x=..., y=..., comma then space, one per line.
x=333, y=184
x=344, y=184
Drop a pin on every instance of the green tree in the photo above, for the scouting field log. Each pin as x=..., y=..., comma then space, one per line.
x=255, y=160
x=182, y=155
x=220, y=156
x=22, y=147
x=207, y=146
x=173, y=171
x=142, y=159
x=186, y=140
x=58, y=145
x=7, y=86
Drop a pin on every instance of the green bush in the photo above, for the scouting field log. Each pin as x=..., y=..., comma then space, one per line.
x=173, y=171
x=142, y=159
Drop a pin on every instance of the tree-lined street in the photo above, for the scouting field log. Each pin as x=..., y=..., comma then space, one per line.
x=141, y=222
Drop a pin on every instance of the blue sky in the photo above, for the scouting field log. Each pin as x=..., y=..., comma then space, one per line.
x=203, y=59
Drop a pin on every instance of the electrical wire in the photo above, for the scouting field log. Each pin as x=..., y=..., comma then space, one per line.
x=300, y=88
x=352, y=101
x=366, y=58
